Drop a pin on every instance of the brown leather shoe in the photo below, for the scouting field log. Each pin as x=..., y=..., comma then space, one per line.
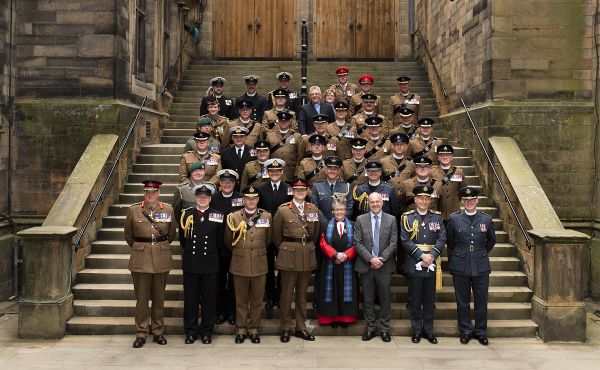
x=159, y=339
x=139, y=342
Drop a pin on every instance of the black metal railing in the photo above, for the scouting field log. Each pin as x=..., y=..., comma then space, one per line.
x=115, y=163
x=435, y=70
x=491, y=164
x=304, y=62
x=173, y=67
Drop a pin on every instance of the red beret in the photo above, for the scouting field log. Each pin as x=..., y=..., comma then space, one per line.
x=366, y=79
x=342, y=71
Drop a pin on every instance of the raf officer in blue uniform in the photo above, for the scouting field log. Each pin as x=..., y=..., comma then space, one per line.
x=322, y=191
x=361, y=192
x=423, y=238
x=202, y=235
x=471, y=237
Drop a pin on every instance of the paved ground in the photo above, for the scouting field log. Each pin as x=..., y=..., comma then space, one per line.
x=115, y=352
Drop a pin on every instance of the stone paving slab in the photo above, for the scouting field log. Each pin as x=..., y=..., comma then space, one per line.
x=114, y=352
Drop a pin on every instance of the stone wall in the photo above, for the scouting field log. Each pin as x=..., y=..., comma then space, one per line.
x=6, y=74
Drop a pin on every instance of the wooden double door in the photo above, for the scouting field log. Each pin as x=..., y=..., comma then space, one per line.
x=268, y=29
x=255, y=29
x=355, y=29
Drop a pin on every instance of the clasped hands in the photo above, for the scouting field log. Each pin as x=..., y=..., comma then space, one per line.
x=376, y=262
x=340, y=257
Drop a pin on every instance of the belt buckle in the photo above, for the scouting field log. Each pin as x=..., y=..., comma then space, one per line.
x=471, y=248
x=303, y=239
x=153, y=239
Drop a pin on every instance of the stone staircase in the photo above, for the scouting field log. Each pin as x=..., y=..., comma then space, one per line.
x=104, y=297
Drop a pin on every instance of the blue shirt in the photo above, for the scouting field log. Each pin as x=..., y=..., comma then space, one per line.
x=317, y=108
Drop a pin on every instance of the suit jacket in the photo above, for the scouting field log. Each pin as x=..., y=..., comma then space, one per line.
x=270, y=200
x=363, y=242
x=307, y=112
x=204, y=243
x=230, y=159
x=470, y=243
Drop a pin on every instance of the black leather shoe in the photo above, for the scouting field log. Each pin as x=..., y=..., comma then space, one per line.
x=254, y=338
x=386, y=337
x=464, y=338
x=431, y=338
x=189, y=339
x=239, y=339
x=159, y=339
x=231, y=321
x=219, y=319
x=368, y=335
x=303, y=334
x=482, y=340
x=285, y=336
x=416, y=338
x=139, y=342
x=206, y=339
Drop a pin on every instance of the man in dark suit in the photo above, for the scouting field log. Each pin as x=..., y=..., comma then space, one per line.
x=226, y=105
x=236, y=156
x=201, y=235
x=226, y=200
x=273, y=194
x=311, y=109
x=259, y=102
x=375, y=240
x=423, y=238
x=471, y=237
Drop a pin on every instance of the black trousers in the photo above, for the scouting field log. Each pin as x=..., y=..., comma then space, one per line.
x=462, y=290
x=422, y=294
x=225, y=292
x=273, y=285
x=196, y=288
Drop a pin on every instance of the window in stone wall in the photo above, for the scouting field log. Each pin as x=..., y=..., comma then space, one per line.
x=140, y=39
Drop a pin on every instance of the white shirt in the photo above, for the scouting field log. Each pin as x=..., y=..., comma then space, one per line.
x=299, y=206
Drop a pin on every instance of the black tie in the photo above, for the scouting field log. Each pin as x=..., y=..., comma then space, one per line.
x=239, y=151
x=274, y=188
x=332, y=185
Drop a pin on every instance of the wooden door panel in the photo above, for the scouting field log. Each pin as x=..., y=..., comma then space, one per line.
x=375, y=29
x=233, y=36
x=333, y=37
x=274, y=28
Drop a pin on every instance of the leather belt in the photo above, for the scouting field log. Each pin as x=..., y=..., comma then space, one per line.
x=152, y=240
x=425, y=247
x=303, y=240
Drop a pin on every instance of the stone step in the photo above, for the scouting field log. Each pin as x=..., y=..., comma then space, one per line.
x=443, y=311
x=163, y=177
x=166, y=139
x=158, y=158
x=172, y=168
x=162, y=149
x=398, y=293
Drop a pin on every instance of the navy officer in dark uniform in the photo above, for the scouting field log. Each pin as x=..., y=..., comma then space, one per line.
x=375, y=184
x=423, y=238
x=201, y=234
x=471, y=237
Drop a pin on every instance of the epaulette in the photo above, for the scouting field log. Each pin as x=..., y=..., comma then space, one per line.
x=435, y=212
x=260, y=210
x=185, y=209
x=455, y=213
x=286, y=204
x=409, y=212
x=135, y=204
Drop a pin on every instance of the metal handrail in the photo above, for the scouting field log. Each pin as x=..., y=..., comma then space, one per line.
x=173, y=66
x=77, y=241
x=514, y=212
x=304, y=62
x=435, y=70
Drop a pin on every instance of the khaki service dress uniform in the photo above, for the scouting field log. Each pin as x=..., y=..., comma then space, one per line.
x=418, y=147
x=354, y=173
x=377, y=149
x=311, y=170
x=212, y=165
x=356, y=103
x=286, y=147
x=452, y=180
x=295, y=234
x=248, y=265
x=253, y=132
x=254, y=174
x=396, y=171
x=411, y=101
x=150, y=261
x=330, y=147
x=270, y=120
x=361, y=129
x=344, y=93
x=342, y=135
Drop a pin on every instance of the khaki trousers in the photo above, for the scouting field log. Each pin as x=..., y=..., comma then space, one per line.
x=291, y=280
x=249, y=292
x=148, y=287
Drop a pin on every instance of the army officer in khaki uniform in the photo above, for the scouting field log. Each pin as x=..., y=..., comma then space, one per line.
x=149, y=230
x=285, y=143
x=212, y=161
x=295, y=232
x=248, y=234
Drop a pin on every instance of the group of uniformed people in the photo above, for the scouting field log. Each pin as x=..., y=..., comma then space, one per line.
x=255, y=204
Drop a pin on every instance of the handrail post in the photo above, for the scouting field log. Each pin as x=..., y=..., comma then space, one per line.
x=435, y=70
x=304, y=62
x=489, y=159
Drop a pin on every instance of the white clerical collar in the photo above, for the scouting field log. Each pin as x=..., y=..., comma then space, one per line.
x=317, y=158
x=409, y=126
x=279, y=109
x=250, y=213
x=425, y=138
x=357, y=161
x=284, y=132
x=227, y=195
x=421, y=212
x=471, y=213
x=245, y=121
x=202, y=210
x=374, y=138
x=445, y=167
x=248, y=94
x=407, y=94
x=219, y=96
x=425, y=180
x=201, y=153
x=397, y=157
x=341, y=123
x=375, y=183
x=369, y=113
